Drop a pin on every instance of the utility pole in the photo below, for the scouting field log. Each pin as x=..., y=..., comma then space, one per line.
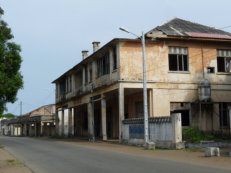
x=146, y=132
x=146, y=137
x=20, y=108
x=93, y=115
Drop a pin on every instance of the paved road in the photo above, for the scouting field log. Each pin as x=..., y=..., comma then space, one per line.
x=59, y=157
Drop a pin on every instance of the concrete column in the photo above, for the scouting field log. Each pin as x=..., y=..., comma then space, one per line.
x=30, y=129
x=121, y=110
x=103, y=118
x=73, y=122
x=25, y=129
x=176, y=128
x=41, y=128
x=60, y=122
x=66, y=122
x=35, y=129
x=90, y=122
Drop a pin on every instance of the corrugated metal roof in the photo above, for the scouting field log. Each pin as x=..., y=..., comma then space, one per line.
x=207, y=35
x=180, y=27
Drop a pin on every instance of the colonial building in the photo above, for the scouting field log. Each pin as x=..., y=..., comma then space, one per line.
x=188, y=72
x=39, y=122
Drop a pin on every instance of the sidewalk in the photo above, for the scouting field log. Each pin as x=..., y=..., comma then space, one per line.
x=194, y=156
x=9, y=164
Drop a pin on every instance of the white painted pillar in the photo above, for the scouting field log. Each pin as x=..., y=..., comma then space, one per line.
x=90, y=118
x=41, y=128
x=103, y=118
x=60, y=123
x=73, y=122
x=121, y=110
x=66, y=122
x=176, y=128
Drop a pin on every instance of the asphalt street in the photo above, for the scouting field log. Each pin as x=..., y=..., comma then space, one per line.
x=46, y=156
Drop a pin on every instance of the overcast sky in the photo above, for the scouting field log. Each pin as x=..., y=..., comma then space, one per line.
x=52, y=33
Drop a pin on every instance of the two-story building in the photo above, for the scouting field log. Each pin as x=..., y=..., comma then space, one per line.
x=188, y=72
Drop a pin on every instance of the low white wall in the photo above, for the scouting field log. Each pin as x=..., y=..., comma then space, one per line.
x=164, y=131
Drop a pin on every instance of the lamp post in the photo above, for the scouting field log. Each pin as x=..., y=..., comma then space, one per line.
x=146, y=132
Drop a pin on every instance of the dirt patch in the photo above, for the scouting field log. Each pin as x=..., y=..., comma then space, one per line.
x=9, y=164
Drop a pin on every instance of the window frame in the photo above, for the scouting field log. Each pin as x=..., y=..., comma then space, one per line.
x=180, y=59
x=225, y=54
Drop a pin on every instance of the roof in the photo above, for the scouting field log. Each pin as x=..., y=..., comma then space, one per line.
x=93, y=54
x=180, y=27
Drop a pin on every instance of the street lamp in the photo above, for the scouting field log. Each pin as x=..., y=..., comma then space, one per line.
x=146, y=132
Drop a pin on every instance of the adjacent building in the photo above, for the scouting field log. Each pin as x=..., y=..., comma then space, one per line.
x=39, y=122
x=188, y=72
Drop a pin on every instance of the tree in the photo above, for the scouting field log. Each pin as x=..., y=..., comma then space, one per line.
x=8, y=115
x=11, y=79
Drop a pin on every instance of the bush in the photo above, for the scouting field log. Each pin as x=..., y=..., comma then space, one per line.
x=194, y=135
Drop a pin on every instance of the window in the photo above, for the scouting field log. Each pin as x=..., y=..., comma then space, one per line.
x=178, y=59
x=223, y=114
x=62, y=87
x=90, y=72
x=68, y=84
x=103, y=65
x=224, y=61
x=210, y=70
x=86, y=74
x=139, y=110
x=114, y=58
x=185, y=120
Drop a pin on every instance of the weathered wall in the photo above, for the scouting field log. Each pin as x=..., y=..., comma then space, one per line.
x=164, y=131
x=171, y=86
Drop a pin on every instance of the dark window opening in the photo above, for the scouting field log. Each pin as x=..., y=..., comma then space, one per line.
x=220, y=64
x=224, y=60
x=85, y=121
x=178, y=62
x=210, y=70
x=126, y=111
x=173, y=63
x=184, y=116
x=139, y=109
x=62, y=87
x=86, y=74
x=223, y=114
x=114, y=58
x=90, y=72
x=103, y=65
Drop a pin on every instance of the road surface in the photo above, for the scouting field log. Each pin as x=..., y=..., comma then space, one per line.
x=48, y=156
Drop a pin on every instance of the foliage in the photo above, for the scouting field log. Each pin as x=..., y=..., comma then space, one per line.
x=194, y=135
x=10, y=63
x=8, y=115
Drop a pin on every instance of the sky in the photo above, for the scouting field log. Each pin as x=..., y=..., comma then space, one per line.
x=52, y=33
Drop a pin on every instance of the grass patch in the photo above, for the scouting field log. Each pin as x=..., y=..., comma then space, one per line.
x=10, y=161
x=15, y=163
x=194, y=135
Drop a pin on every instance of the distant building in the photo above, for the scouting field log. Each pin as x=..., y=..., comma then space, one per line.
x=39, y=122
